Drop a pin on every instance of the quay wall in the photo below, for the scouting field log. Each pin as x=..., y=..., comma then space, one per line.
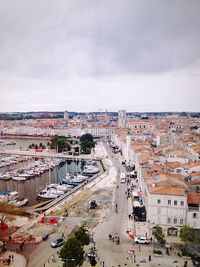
x=25, y=137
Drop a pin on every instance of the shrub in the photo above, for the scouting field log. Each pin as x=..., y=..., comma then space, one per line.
x=159, y=252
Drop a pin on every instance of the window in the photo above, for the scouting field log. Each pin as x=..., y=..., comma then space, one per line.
x=175, y=202
x=158, y=201
x=175, y=220
x=181, y=221
x=182, y=203
x=169, y=202
x=168, y=220
x=195, y=215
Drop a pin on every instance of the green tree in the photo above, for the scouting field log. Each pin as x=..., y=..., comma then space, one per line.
x=60, y=143
x=159, y=235
x=187, y=235
x=72, y=249
x=82, y=235
x=87, y=136
x=87, y=143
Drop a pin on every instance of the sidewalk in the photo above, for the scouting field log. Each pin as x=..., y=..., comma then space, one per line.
x=18, y=259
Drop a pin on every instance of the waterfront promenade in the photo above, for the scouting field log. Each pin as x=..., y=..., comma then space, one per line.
x=46, y=154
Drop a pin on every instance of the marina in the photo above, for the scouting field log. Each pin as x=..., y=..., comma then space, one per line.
x=39, y=179
x=30, y=188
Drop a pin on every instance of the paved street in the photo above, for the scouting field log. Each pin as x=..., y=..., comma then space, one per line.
x=112, y=255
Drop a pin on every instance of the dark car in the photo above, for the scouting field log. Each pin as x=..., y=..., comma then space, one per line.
x=195, y=260
x=45, y=237
x=57, y=243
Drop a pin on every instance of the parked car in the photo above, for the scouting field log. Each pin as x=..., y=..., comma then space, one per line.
x=45, y=237
x=57, y=243
x=195, y=260
x=141, y=240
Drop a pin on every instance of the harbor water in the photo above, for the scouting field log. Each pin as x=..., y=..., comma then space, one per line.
x=31, y=187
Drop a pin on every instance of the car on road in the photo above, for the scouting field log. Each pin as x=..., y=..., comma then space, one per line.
x=141, y=240
x=57, y=243
x=45, y=237
x=195, y=259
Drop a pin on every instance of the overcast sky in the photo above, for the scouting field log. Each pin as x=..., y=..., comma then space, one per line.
x=86, y=55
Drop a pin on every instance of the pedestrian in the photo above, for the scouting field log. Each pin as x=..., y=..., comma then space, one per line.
x=139, y=248
x=53, y=258
x=149, y=257
x=134, y=258
x=129, y=216
x=12, y=257
x=185, y=263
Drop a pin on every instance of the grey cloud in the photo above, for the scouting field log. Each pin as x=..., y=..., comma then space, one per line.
x=56, y=39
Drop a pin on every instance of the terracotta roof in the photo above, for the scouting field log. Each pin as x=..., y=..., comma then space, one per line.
x=167, y=190
x=193, y=198
x=194, y=182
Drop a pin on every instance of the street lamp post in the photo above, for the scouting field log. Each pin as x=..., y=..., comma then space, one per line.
x=67, y=261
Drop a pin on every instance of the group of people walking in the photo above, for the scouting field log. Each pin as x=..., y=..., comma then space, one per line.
x=114, y=238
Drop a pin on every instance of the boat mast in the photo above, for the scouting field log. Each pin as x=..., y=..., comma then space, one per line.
x=49, y=175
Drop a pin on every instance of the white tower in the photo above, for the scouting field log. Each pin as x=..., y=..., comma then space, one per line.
x=122, y=118
x=66, y=116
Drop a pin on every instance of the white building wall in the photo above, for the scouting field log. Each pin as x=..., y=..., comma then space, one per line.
x=165, y=214
x=193, y=218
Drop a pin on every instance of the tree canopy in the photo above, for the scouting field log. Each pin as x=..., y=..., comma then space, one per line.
x=159, y=235
x=87, y=143
x=60, y=143
x=82, y=236
x=87, y=136
x=73, y=247
x=187, y=235
x=72, y=251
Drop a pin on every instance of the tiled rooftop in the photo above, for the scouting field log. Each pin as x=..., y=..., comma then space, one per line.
x=167, y=190
x=193, y=198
